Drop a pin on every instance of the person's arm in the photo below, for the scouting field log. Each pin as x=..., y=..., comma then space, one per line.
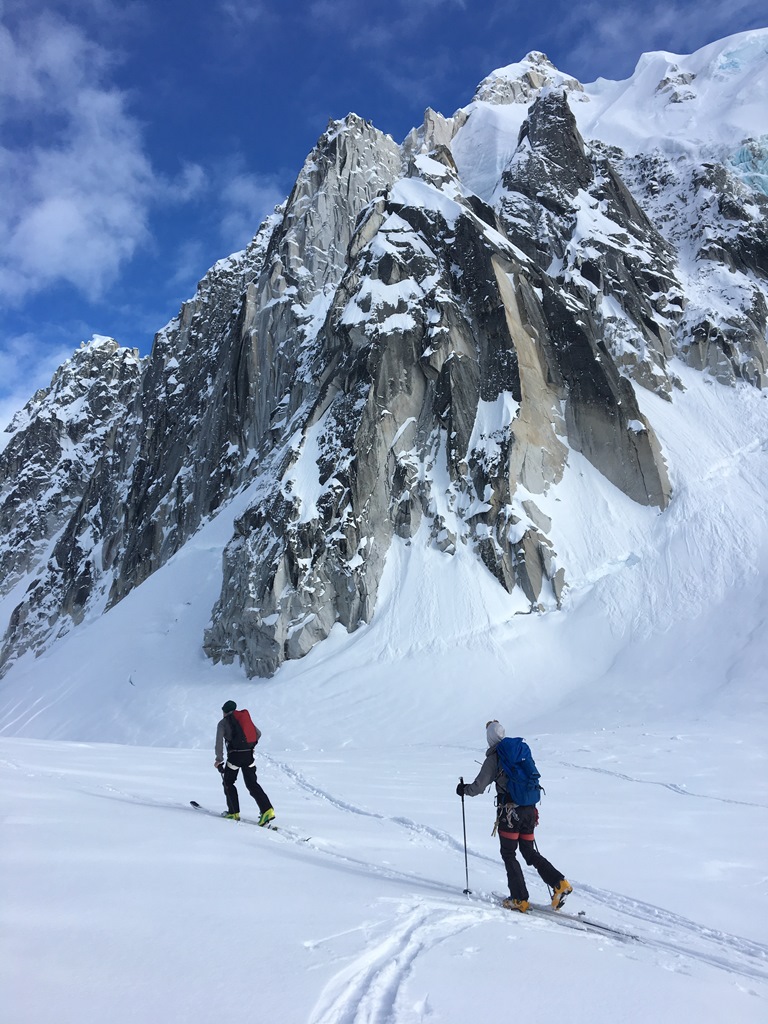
x=485, y=777
x=219, y=744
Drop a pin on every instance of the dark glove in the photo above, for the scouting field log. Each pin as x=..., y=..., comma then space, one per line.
x=219, y=766
x=460, y=789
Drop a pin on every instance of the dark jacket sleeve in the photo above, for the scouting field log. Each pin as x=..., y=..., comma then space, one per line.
x=485, y=776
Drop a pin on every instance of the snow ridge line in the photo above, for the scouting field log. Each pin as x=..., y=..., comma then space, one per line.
x=416, y=828
x=367, y=991
x=672, y=786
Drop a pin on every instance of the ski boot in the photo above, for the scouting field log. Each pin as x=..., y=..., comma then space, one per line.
x=563, y=889
x=232, y=815
x=267, y=817
x=522, y=905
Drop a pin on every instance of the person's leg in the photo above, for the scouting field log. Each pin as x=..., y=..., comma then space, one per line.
x=508, y=839
x=548, y=874
x=258, y=794
x=528, y=818
x=228, y=779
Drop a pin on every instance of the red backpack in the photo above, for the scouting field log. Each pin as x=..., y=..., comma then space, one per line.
x=250, y=731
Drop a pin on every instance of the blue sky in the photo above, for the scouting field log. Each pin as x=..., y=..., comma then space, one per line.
x=142, y=142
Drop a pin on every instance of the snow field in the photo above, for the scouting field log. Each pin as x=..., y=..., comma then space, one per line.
x=123, y=901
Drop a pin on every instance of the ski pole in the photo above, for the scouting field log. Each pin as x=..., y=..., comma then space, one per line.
x=467, y=891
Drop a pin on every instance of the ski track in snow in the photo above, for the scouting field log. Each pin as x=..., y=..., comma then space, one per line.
x=368, y=990
x=672, y=786
x=713, y=946
x=678, y=935
x=443, y=838
x=278, y=833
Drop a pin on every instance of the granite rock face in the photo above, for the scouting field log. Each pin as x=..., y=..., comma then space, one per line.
x=395, y=357
x=718, y=226
x=60, y=441
x=61, y=476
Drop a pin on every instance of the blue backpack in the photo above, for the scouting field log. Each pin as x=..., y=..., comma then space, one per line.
x=522, y=775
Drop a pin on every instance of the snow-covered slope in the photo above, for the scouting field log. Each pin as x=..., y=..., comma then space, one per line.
x=700, y=106
x=121, y=901
x=666, y=613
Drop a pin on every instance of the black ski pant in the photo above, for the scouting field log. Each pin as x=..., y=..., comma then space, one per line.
x=516, y=825
x=238, y=760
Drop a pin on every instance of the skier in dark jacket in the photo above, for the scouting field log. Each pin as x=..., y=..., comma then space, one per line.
x=239, y=755
x=515, y=824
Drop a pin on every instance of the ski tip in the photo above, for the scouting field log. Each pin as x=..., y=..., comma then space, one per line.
x=194, y=803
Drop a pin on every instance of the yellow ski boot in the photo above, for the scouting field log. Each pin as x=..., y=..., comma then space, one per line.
x=522, y=905
x=564, y=888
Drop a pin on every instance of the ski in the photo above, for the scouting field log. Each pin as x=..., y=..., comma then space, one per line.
x=578, y=921
x=581, y=918
x=287, y=833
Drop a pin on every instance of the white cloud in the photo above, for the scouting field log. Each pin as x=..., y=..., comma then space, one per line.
x=251, y=13
x=350, y=13
x=189, y=264
x=246, y=199
x=76, y=185
x=75, y=181
x=191, y=183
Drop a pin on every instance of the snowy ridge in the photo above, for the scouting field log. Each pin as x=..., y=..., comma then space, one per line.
x=702, y=104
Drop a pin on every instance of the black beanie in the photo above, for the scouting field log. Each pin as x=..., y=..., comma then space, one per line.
x=229, y=706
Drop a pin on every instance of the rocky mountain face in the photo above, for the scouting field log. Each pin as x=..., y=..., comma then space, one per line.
x=400, y=352
x=61, y=477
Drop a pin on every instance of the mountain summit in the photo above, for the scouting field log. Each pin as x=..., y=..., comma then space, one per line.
x=415, y=348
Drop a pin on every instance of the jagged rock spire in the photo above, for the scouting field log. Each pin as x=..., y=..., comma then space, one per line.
x=395, y=356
